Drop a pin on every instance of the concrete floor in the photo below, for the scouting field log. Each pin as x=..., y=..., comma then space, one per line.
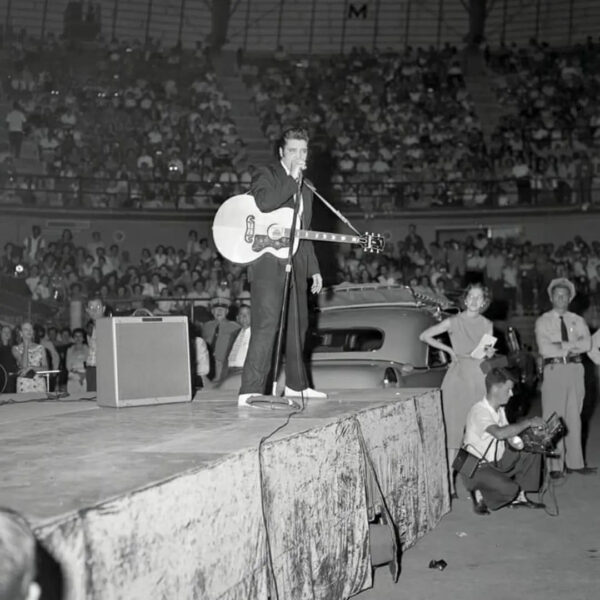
x=512, y=553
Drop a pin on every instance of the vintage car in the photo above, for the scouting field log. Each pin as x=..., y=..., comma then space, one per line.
x=367, y=337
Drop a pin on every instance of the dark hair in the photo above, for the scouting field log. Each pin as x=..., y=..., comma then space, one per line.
x=487, y=296
x=494, y=377
x=81, y=331
x=293, y=133
x=95, y=298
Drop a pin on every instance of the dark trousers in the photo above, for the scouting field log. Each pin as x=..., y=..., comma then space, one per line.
x=90, y=379
x=500, y=484
x=15, y=139
x=267, y=299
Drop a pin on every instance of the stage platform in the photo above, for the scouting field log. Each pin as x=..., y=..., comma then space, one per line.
x=169, y=501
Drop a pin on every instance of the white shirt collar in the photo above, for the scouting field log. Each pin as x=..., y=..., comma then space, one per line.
x=287, y=171
x=488, y=404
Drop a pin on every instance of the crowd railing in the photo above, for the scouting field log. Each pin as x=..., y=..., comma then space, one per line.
x=527, y=300
x=363, y=192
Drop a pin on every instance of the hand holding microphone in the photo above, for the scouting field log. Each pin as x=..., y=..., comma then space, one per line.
x=298, y=165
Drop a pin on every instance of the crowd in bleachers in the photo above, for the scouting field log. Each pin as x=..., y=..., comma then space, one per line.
x=197, y=282
x=548, y=143
x=404, y=132
x=516, y=270
x=141, y=127
x=392, y=121
x=401, y=127
x=65, y=269
x=193, y=280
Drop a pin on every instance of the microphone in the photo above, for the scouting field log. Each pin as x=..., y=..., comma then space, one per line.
x=301, y=167
x=300, y=179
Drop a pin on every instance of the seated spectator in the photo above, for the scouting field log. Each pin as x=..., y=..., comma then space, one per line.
x=193, y=245
x=7, y=361
x=31, y=358
x=33, y=279
x=199, y=294
x=48, y=340
x=165, y=307
x=218, y=334
x=42, y=289
x=155, y=287
x=239, y=348
x=76, y=359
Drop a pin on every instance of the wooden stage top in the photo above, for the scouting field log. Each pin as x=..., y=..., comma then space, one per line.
x=61, y=456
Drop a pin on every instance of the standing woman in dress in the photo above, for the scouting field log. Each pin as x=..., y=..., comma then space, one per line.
x=30, y=357
x=464, y=383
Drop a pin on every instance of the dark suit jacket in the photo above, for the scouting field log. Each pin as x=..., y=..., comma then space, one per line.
x=273, y=188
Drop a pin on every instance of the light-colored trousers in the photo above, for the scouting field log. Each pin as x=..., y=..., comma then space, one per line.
x=563, y=391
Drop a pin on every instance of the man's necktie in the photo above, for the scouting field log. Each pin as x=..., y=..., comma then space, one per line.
x=564, y=334
x=215, y=336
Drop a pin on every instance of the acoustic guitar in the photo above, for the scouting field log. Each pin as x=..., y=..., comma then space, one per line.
x=243, y=233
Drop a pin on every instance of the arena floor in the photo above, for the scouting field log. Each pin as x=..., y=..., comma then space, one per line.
x=511, y=554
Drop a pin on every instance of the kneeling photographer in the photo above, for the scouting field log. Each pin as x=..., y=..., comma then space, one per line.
x=495, y=472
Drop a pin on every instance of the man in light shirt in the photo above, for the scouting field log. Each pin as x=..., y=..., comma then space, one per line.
x=239, y=349
x=15, y=120
x=562, y=338
x=95, y=310
x=505, y=474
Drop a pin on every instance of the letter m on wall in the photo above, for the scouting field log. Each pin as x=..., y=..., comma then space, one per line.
x=357, y=10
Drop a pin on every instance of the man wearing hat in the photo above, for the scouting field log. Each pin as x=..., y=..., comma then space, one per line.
x=219, y=334
x=562, y=339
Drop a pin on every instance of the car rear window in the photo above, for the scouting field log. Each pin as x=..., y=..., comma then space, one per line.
x=348, y=340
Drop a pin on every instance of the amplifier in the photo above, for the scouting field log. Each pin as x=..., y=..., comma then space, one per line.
x=142, y=360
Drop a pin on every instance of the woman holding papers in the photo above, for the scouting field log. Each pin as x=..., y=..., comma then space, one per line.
x=464, y=384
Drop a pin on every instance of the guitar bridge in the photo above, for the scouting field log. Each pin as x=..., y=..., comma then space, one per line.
x=250, y=228
x=261, y=242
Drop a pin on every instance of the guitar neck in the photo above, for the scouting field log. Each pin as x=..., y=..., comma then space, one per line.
x=323, y=236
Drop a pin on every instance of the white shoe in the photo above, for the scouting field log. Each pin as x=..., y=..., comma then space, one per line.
x=305, y=393
x=243, y=399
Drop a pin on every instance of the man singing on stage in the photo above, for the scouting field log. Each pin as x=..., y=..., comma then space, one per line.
x=273, y=187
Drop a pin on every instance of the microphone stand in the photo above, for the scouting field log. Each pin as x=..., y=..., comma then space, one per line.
x=289, y=267
x=334, y=210
x=286, y=286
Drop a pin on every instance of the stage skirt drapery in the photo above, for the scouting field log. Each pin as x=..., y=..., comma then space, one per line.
x=202, y=535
